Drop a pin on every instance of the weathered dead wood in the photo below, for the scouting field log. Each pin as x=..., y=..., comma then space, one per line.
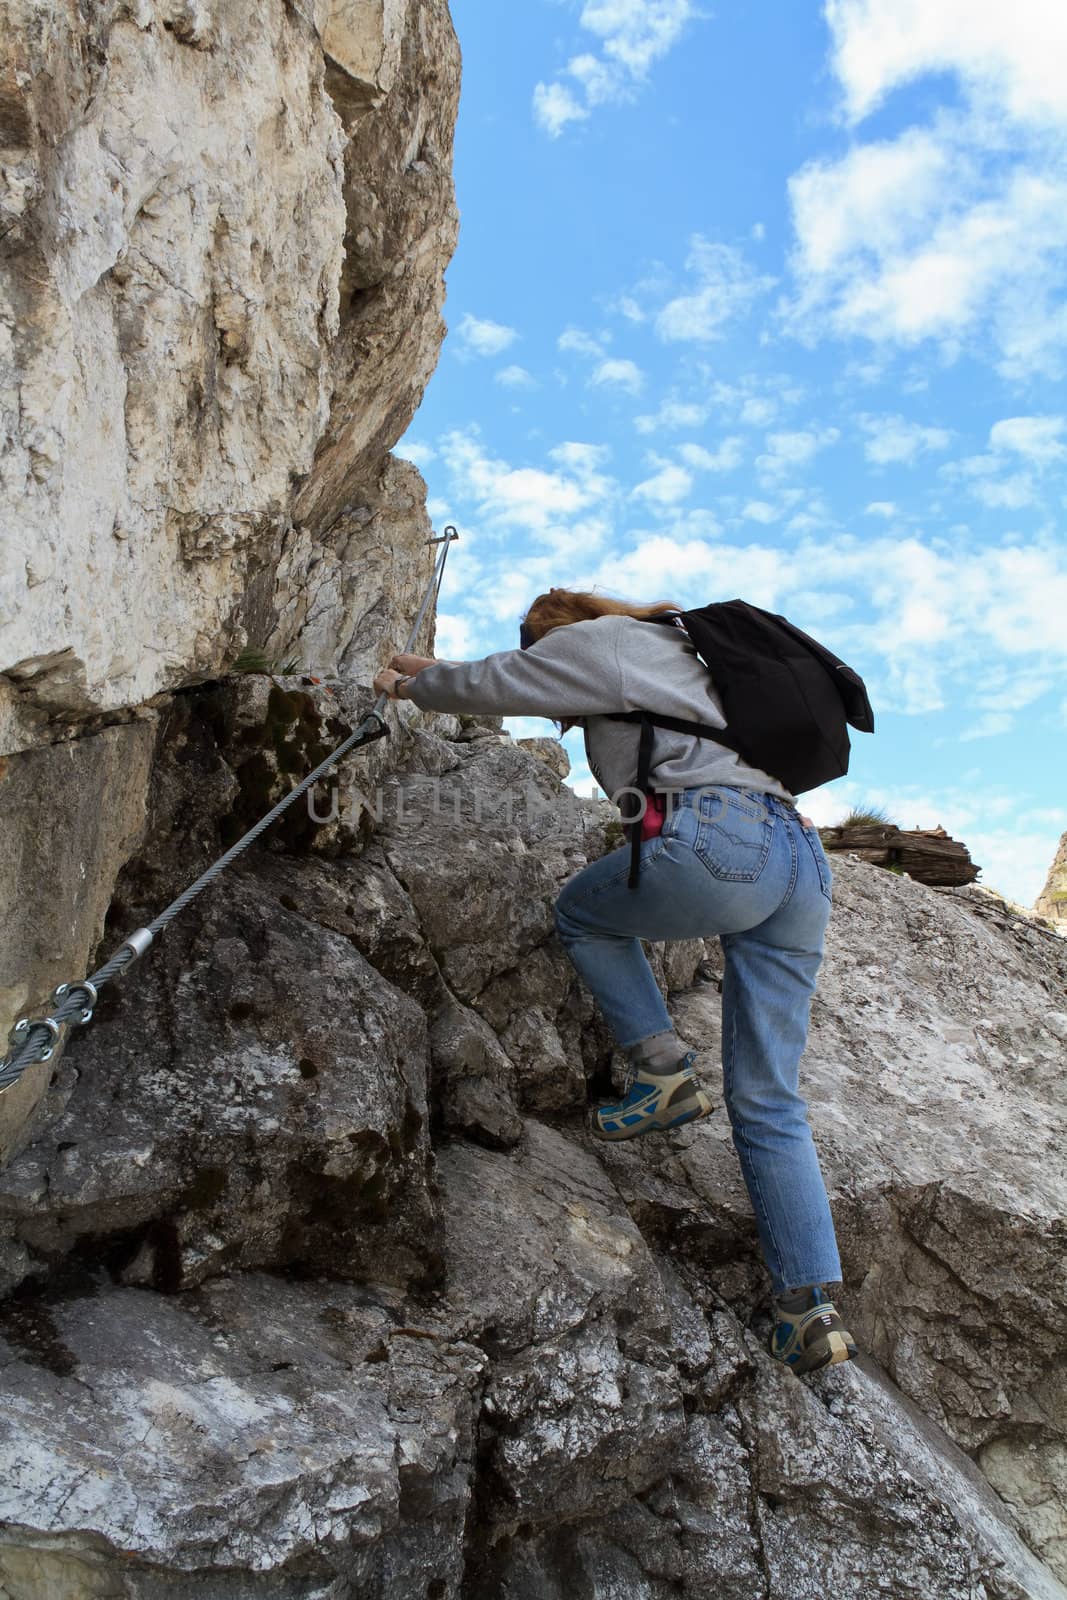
x=928, y=855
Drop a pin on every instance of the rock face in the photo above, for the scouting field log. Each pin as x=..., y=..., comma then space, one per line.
x=297, y=1428
x=223, y=237
x=1052, y=901
x=71, y=813
x=223, y=233
x=314, y=1284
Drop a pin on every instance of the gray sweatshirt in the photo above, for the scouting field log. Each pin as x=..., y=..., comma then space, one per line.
x=583, y=669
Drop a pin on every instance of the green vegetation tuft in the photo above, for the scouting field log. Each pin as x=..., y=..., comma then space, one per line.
x=253, y=660
x=865, y=817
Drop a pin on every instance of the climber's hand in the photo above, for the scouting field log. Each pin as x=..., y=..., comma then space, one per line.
x=385, y=682
x=411, y=664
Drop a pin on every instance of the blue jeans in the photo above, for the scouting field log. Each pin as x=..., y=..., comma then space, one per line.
x=740, y=864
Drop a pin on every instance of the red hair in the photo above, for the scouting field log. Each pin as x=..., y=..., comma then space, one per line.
x=560, y=606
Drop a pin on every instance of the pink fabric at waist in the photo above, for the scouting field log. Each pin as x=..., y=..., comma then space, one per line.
x=654, y=817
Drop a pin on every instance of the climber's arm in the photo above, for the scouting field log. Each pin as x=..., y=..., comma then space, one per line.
x=572, y=672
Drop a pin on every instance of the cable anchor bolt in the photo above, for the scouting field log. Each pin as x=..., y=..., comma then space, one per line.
x=66, y=991
x=20, y=1033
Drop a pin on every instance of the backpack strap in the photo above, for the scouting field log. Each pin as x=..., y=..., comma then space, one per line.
x=699, y=730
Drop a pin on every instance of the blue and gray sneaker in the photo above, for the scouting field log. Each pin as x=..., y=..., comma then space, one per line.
x=654, y=1102
x=808, y=1333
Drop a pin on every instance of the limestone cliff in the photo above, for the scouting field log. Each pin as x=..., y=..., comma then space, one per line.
x=313, y=1283
x=223, y=232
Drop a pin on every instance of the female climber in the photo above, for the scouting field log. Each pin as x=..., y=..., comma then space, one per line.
x=731, y=856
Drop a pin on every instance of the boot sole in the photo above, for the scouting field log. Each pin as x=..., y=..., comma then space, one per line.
x=837, y=1346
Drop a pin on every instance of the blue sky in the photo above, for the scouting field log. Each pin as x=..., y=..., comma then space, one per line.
x=768, y=301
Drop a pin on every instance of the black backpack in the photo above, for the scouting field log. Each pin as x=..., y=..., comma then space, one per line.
x=787, y=700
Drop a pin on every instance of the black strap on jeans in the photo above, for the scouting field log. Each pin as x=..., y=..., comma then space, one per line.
x=639, y=801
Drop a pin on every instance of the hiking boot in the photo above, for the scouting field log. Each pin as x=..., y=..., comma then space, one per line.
x=808, y=1333
x=654, y=1102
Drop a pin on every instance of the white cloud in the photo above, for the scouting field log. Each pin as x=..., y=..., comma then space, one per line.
x=513, y=586
x=1014, y=860
x=525, y=727
x=515, y=377
x=411, y=450
x=1005, y=688
x=726, y=287
x=584, y=460
x=760, y=511
x=1004, y=598
x=481, y=337
x=956, y=232
x=881, y=508
x=691, y=570
x=989, y=478
x=551, y=504
x=819, y=606
x=619, y=374
x=878, y=198
x=758, y=411
x=580, y=342
x=630, y=309
x=455, y=638
x=972, y=467
x=1004, y=494
x=1037, y=438
x=804, y=522
x=673, y=414
x=691, y=522
x=729, y=455
x=554, y=106
x=632, y=35
x=993, y=723
x=1009, y=56
x=895, y=439
x=786, y=451
x=756, y=402
x=667, y=487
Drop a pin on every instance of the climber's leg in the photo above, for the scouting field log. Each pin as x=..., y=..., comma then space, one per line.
x=768, y=982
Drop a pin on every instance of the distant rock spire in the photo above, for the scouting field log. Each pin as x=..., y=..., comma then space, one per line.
x=1052, y=901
